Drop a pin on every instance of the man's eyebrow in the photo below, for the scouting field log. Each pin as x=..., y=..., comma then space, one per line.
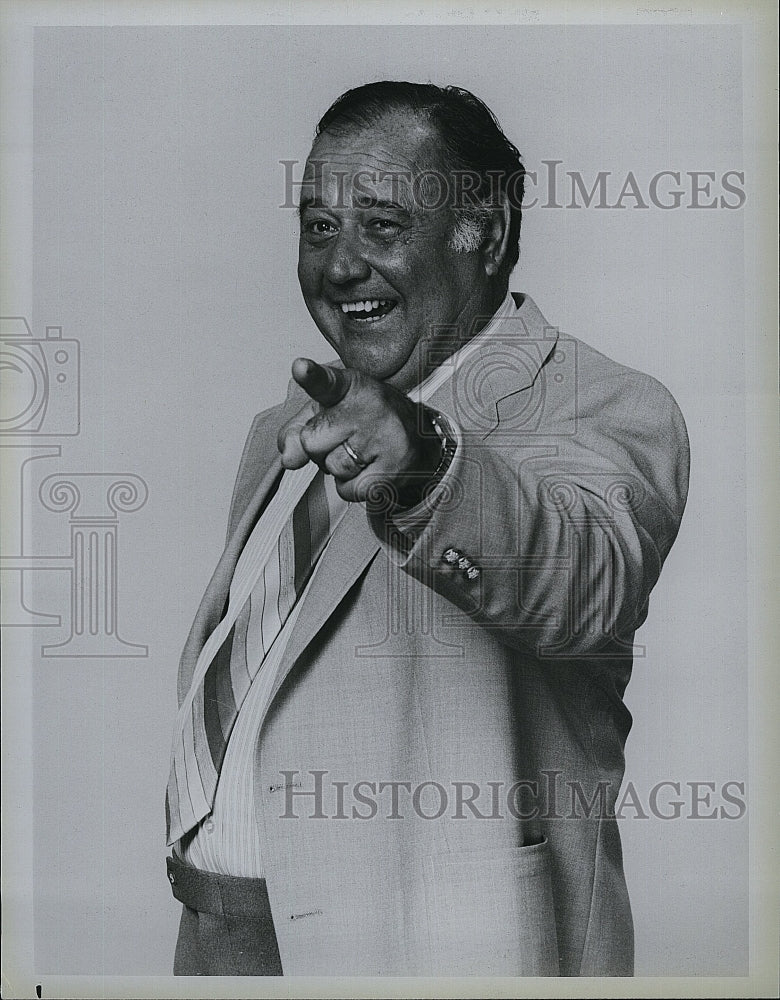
x=384, y=204
x=307, y=201
x=392, y=206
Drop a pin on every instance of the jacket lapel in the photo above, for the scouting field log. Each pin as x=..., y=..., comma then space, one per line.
x=352, y=547
x=212, y=606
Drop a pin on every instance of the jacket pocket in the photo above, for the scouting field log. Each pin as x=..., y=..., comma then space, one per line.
x=490, y=913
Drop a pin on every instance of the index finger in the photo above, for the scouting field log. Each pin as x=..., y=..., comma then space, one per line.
x=326, y=386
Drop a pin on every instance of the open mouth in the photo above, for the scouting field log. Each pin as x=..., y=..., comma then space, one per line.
x=366, y=310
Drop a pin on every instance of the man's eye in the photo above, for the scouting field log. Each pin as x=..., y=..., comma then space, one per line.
x=319, y=228
x=385, y=226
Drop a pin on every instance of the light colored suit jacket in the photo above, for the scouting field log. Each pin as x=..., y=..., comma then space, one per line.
x=566, y=494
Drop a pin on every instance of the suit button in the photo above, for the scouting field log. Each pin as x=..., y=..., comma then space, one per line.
x=451, y=555
x=472, y=572
x=464, y=563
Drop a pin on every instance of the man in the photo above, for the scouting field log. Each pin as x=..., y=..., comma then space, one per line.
x=401, y=725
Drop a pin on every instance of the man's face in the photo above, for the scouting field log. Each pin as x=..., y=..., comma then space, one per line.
x=364, y=241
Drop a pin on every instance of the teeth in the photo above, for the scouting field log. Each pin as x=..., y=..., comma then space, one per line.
x=366, y=305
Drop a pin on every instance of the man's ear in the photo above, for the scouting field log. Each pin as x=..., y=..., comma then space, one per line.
x=494, y=246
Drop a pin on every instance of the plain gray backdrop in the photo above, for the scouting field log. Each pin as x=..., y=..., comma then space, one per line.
x=159, y=243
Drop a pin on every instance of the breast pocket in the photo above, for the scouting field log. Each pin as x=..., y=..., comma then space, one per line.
x=491, y=913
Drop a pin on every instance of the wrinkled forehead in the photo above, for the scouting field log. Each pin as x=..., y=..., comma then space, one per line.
x=386, y=163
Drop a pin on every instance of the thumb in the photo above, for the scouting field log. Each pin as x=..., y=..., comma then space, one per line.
x=288, y=440
x=326, y=386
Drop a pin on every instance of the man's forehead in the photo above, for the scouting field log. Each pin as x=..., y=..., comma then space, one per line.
x=344, y=184
x=384, y=159
x=396, y=138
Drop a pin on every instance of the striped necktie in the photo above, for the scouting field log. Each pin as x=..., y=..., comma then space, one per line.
x=275, y=565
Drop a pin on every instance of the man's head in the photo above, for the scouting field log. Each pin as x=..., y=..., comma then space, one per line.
x=411, y=200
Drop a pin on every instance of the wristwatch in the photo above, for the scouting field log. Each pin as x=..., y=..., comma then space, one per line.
x=448, y=448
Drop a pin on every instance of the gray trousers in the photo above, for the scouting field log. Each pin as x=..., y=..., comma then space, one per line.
x=226, y=927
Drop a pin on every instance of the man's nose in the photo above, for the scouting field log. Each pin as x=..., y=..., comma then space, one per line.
x=346, y=261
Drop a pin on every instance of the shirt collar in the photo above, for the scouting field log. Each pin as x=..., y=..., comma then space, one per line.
x=505, y=310
x=504, y=358
x=455, y=361
x=445, y=371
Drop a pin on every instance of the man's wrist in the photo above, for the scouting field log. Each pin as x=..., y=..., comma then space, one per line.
x=438, y=458
x=448, y=446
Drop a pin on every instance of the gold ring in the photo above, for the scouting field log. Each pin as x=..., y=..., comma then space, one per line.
x=354, y=455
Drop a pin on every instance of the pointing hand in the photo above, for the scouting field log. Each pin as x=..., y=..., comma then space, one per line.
x=361, y=431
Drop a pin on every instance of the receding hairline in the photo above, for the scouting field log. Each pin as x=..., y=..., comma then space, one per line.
x=431, y=140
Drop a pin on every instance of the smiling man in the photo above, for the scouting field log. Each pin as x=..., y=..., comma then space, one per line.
x=370, y=234
x=401, y=725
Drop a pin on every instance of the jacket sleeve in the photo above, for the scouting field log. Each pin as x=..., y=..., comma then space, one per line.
x=554, y=540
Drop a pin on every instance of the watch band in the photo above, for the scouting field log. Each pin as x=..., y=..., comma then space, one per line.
x=448, y=447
